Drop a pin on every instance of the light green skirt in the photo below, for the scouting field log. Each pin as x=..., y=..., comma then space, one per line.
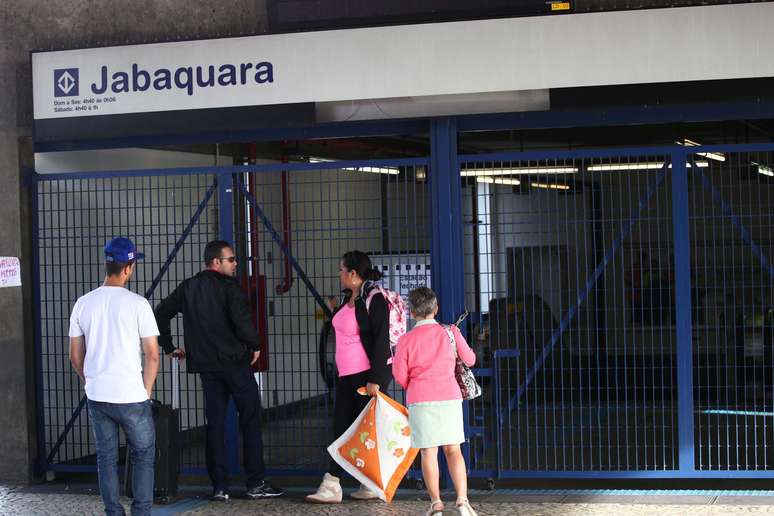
x=436, y=423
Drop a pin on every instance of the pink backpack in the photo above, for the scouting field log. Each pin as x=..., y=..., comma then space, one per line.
x=397, y=313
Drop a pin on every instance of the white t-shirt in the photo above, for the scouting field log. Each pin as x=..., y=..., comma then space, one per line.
x=113, y=320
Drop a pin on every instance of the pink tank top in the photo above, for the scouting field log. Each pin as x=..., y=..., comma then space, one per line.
x=351, y=357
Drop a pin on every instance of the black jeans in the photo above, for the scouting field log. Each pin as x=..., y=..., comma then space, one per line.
x=218, y=387
x=348, y=405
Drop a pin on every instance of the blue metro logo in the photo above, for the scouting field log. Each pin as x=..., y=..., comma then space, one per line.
x=66, y=82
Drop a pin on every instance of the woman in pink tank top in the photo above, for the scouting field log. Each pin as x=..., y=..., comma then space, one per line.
x=362, y=353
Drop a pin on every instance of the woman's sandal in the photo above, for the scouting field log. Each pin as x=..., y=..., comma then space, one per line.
x=463, y=506
x=436, y=508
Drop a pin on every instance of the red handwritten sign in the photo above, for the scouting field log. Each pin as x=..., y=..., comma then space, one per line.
x=10, y=272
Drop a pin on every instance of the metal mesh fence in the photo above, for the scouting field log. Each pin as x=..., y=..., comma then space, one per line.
x=731, y=220
x=568, y=265
x=76, y=217
x=290, y=230
x=570, y=273
x=312, y=217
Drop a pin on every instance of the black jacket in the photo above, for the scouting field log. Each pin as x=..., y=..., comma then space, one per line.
x=219, y=334
x=374, y=326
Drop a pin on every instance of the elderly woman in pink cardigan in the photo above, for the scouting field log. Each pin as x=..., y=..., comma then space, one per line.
x=424, y=365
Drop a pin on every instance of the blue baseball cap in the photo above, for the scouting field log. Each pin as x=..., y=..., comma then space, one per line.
x=122, y=250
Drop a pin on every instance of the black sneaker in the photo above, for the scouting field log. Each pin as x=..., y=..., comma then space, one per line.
x=264, y=490
x=219, y=495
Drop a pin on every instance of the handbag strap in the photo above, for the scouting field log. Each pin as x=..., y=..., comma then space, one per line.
x=452, y=340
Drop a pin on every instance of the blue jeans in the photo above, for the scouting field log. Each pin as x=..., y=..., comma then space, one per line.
x=136, y=419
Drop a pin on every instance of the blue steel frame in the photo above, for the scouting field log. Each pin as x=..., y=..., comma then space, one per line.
x=572, y=312
x=224, y=183
x=47, y=463
x=679, y=157
x=491, y=122
x=446, y=236
x=226, y=231
x=683, y=307
x=41, y=464
x=582, y=296
x=443, y=157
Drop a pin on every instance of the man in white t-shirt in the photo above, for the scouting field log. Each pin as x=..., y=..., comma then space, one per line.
x=111, y=328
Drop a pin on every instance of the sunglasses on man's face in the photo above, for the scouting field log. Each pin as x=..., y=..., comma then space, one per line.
x=231, y=259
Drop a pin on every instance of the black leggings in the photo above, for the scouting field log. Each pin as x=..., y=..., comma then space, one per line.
x=347, y=406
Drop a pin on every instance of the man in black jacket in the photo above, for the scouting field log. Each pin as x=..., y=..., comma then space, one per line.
x=221, y=345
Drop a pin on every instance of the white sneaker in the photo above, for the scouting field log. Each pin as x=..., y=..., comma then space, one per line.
x=363, y=493
x=328, y=492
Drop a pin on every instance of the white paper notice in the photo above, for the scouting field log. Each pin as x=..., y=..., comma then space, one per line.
x=10, y=272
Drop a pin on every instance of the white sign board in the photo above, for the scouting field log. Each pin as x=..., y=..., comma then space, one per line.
x=515, y=54
x=402, y=273
x=10, y=272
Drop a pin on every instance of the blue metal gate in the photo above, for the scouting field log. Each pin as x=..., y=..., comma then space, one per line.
x=170, y=216
x=621, y=299
x=623, y=311
x=297, y=222
x=731, y=221
x=290, y=224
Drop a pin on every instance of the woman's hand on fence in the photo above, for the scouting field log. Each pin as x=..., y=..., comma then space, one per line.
x=372, y=389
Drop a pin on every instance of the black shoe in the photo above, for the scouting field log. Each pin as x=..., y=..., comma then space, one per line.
x=219, y=495
x=264, y=490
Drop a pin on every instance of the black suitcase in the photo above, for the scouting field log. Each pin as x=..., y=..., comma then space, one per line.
x=167, y=466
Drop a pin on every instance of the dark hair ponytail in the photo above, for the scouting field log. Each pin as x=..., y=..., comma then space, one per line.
x=375, y=275
x=359, y=262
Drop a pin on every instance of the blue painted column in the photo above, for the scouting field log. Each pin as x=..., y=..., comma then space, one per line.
x=446, y=238
x=684, y=330
x=446, y=219
x=226, y=232
x=41, y=464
